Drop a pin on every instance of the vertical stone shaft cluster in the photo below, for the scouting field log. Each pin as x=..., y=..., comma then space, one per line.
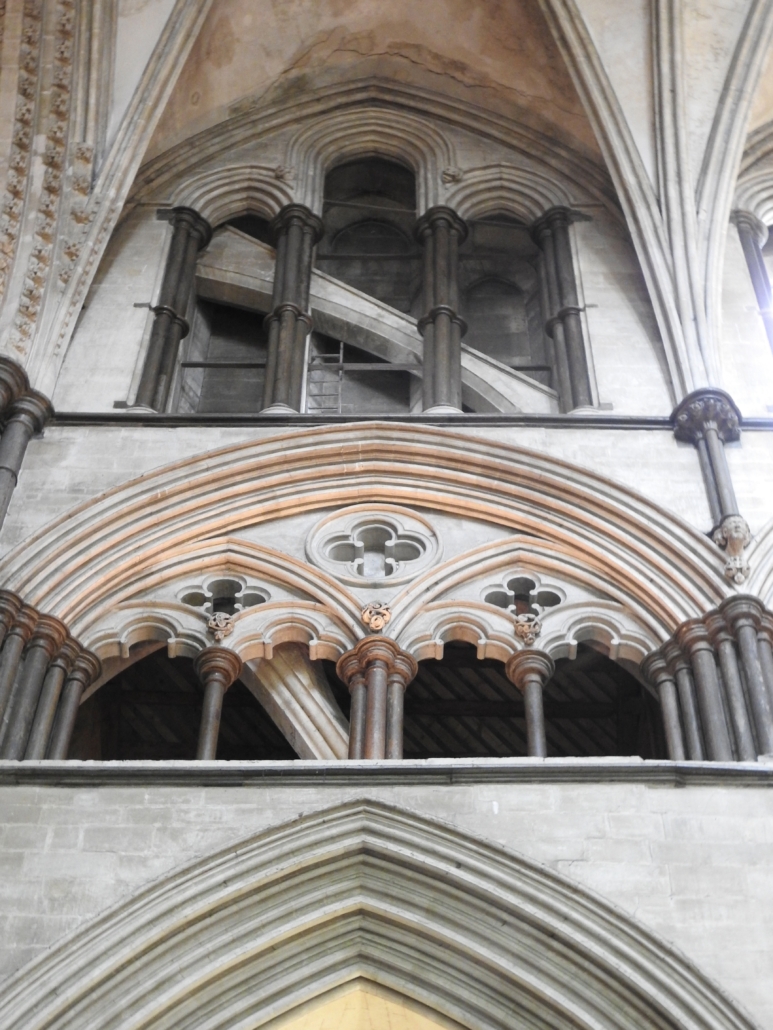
x=217, y=668
x=530, y=671
x=190, y=234
x=23, y=412
x=39, y=661
x=715, y=683
x=709, y=419
x=440, y=232
x=753, y=234
x=377, y=673
x=559, y=291
x=296, y=231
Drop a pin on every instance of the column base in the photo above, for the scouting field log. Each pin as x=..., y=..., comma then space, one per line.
x=442, y=409
x=278, y=409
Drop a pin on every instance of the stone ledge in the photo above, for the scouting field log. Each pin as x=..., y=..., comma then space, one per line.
x=359, y=773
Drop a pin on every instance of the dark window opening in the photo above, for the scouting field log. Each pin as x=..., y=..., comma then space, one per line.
x=152, y=710
x=499, y=287
x=463, y=707
x=345, y=380
x=369, y=217
x=253, y=225
x=224, y=364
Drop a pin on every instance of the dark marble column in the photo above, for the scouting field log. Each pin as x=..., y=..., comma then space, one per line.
x=26, y=416
x=13, y=647
x=681, y=668
x=48, y=636
x=709, y=419
x=765, y=648
x=190, y=234
x=217, y=668
x=530, y=671
x=723, y=640
x=13, y=383
x=693, y=637
x=564, y=325
x=57, y=673
x=86, y=670
x=656, y=669
x=376, y=671
x=744, y=616
x=753, y=234
x=296, y=230
x=440, y=232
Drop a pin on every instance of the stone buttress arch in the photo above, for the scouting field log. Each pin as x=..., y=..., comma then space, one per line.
x=464, y=928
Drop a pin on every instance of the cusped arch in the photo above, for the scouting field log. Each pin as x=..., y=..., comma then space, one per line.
x=471, y=931
x=75, y=566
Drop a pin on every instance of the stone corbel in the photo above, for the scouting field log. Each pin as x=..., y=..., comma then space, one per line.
x=709, y=419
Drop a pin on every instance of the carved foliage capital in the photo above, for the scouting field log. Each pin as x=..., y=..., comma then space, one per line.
x=376, y=615
x=703, y=408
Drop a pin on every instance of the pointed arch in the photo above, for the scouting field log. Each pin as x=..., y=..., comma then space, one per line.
x=466, y=929
x=74, y=566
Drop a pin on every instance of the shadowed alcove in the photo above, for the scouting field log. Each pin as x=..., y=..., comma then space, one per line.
x=152, y=710
x=464, y=707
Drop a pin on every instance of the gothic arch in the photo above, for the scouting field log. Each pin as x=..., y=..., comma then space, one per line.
x=523, y=193
x=74, y=567
x=464, y=928
x=223, y=193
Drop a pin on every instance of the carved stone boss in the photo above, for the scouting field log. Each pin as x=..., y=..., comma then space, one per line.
x=709, y=419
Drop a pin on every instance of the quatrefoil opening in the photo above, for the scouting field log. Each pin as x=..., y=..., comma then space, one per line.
x=225, y=595
x=377, y=546
x=522, y=596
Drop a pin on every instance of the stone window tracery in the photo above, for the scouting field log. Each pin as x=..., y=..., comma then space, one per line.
x=224, y=595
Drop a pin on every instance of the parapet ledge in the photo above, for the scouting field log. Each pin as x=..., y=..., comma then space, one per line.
x=431, y=771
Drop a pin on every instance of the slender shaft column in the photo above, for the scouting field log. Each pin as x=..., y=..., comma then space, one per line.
x=10, y=604
x=554, y=327
x=744, y=615
x=657, y=672
x=682, y=672
x=401, y=674
x=190, y=234
x=217, y=668
x=551, y=232
x=753, y=235
x=27, y=416
x=376, y=669
x=694, y=638
x=13, y=383
x=709, y=419
x=13, y=647
x=48, y=637
x=296, y=230
x=86, y=670
x=440, y=232
x=765, y=648
x=530, y=671
x=722, y=639
x=49, y=699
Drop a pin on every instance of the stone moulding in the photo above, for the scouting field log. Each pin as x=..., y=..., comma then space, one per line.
x=466, y=928
x=73, y=567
